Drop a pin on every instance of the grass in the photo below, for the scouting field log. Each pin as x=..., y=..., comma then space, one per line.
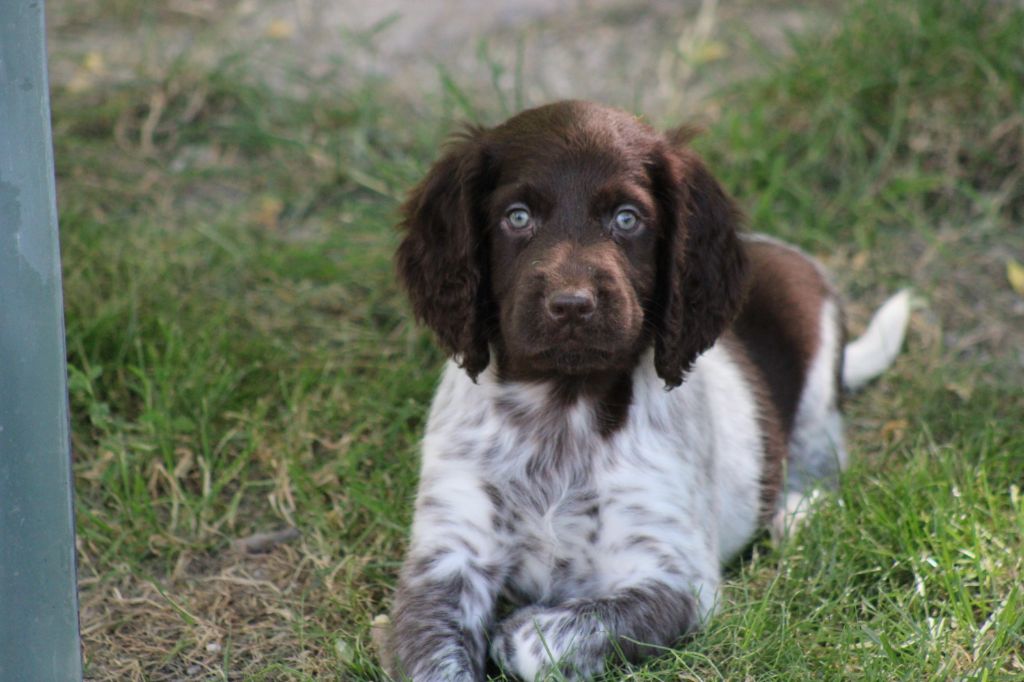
x=240, y=359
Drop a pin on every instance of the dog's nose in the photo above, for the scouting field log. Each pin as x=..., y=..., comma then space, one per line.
x=577, y=305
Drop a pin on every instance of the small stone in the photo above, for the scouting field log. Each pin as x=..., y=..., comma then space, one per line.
x=344, y=651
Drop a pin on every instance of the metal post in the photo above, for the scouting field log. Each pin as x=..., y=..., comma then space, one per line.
x=38, y=600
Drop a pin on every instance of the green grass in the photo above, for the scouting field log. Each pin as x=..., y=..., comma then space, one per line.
x=240, y=358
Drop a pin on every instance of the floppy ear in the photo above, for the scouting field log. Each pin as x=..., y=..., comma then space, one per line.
x=442, y=260
x=702, y=268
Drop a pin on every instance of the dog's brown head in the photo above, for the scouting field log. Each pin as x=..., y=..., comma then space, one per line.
x=568, y=240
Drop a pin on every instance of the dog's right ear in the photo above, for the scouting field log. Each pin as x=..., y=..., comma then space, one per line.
x=442, y=260
x=703, y=273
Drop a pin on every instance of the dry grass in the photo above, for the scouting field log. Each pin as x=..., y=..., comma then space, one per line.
x=227, y=616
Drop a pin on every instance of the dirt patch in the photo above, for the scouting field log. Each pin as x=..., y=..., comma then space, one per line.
x=230, y=614
x=661, y=58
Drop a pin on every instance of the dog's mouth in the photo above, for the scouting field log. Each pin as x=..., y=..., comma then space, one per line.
x=576, y=336
x=537, y=344
x=574, y=353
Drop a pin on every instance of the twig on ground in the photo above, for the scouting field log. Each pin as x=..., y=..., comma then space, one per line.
x=259, y=543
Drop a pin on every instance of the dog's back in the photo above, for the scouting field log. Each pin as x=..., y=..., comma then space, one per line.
x=791, y=329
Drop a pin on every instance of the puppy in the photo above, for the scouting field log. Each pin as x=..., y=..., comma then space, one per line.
x=576, y=264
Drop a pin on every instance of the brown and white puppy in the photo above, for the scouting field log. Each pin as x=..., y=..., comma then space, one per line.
x=576, y=263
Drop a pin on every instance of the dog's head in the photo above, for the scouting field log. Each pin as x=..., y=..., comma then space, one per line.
x=568, y=240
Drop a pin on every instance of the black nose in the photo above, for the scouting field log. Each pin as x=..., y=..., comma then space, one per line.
x=571, y=306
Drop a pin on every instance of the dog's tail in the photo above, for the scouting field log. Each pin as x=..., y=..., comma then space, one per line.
x=871, y=354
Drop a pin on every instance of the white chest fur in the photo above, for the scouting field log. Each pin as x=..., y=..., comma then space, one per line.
x=535, y=492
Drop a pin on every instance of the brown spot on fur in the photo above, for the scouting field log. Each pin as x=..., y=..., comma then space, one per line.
x=780, y=324
x=495, y=496
x=613, y=407
x=611, y=396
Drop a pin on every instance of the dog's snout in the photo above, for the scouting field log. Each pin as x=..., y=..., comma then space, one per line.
x=576, y=305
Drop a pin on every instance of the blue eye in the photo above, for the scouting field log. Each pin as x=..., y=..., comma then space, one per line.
x=626, y=220
x=519, y=217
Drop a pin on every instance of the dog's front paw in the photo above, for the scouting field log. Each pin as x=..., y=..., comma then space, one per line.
x=535, y=643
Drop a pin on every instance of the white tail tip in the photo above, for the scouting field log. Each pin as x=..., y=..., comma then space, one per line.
x=868, y=356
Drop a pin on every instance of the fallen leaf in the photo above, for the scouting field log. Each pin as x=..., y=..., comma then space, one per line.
x=94, y=63
x=279, y=29
x=268, y=212
x=892, y=431
x=710, y=51
x=1015, y=273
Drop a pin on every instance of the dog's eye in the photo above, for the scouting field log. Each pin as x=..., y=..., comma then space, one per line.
x=626, y=220
x=519, y=217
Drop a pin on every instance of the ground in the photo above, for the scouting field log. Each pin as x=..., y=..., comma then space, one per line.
x=241, y=362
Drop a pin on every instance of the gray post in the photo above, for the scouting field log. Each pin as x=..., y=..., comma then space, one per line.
x=38, y=599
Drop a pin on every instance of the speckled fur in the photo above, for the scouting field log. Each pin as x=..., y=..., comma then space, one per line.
x=602, y=540
x=559, y=475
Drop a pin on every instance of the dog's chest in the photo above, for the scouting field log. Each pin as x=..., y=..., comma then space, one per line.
x=555, y=550
x=555, y=477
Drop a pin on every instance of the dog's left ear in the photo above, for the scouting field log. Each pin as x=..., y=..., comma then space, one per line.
x=442, y=259
x=702, y=269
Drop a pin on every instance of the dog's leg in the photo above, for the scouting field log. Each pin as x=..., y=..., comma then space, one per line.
x=440, y=625
x=575, y=637
x=816, y=446
x=791, y=513
x=449, y=582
